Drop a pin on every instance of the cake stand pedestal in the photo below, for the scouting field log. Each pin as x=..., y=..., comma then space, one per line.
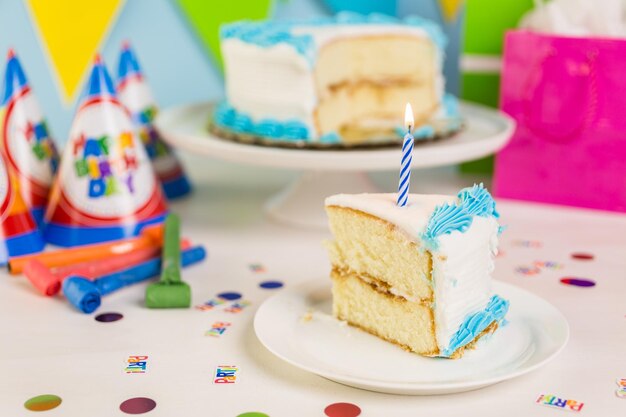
x=328, y=172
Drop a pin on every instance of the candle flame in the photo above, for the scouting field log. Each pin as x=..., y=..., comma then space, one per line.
x=408, y=116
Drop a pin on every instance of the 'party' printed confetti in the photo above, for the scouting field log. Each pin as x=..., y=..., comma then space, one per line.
x=526, y=243
x=537, y=267
x=257, y=268
x=225, y=374
x=621, y=390
x=217, y=329
x=210, y=305
x=237, y=307
x=136, y=364
x=527, y=270
x=548, y=265
x=555, y=402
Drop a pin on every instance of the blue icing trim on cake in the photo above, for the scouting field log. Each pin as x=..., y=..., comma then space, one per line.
x=478, y=201
x=447, y=218
x=295, y=130
x=269, y=127
x=475, y=324
x=227, y=116
x=444, y=220
x=331, y=138
x=421, y=133
x=242, y=123
x=269, y=33
x=424, y=132
x=450, y=106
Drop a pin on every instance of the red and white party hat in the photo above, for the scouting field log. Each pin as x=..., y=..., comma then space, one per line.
x=26, y=145
x=18, y=231
x=134, y=92
x=106, y=188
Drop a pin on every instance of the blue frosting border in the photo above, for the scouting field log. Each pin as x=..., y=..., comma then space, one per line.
x=226, y=116
x=447, y=218
x=474, y=324
x=270, y=33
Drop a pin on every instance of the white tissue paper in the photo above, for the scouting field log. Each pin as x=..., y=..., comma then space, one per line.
x=580, y=18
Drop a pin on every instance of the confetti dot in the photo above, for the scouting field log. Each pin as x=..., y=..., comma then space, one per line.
x=581, y=256
x=137, y=405
x=109, y=317
x=253, y=414
x=271, y=285
x=342, y=410
x=230, y=296
x=43, y=402
x=578, y=282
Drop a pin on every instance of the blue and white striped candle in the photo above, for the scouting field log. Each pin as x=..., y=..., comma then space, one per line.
x=407, y=157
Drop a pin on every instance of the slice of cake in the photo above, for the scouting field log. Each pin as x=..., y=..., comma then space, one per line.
x=418, y=276
x=330, y=80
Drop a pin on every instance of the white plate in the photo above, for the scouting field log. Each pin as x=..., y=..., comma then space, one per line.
x=487, y=130
x=536, y=332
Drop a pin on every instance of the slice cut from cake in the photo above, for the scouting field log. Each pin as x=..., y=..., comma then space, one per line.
x=418, y=276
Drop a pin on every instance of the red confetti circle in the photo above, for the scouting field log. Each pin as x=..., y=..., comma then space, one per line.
x=342, y=410
x=581, y=256
x=578, y=282
x=137, y=405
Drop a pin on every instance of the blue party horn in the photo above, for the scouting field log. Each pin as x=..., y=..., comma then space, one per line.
x=86, y=295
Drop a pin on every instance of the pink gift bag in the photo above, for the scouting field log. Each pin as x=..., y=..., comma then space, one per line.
x=568, y=96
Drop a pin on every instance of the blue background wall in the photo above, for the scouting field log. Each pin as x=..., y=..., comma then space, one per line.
x=175, y=62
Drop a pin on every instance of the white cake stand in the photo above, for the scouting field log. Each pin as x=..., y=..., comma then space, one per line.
x=328, y=172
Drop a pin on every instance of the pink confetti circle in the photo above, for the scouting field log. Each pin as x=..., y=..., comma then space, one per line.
x=342, y=410
x=582, y=256
x=137, y=405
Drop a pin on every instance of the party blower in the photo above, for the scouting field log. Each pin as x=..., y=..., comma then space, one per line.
x=87, y=295
x=170, y=291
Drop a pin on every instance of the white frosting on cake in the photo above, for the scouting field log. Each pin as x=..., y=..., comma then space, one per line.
x=462, y=263
x=277, y=81
x=287, y=91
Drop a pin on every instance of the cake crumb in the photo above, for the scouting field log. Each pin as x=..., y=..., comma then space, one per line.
x=308, y=316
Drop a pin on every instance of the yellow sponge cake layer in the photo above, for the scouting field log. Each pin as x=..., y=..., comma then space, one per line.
x=389, y=317
x=375, y=58
x=374, y=248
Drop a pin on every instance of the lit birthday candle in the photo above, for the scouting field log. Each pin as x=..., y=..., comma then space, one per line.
x=407, y=157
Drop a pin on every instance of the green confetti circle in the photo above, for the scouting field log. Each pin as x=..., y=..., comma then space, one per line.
x=253, y=414
x=43, y=402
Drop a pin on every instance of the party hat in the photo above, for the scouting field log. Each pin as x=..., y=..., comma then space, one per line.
x=18, y=232
x=106, y=188
x=27, y=147
x=134, y=92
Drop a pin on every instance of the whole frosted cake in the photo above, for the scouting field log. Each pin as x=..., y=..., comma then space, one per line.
x=418, y=276
x=334, y=80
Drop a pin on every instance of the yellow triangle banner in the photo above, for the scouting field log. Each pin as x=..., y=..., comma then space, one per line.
x=71, y=32
x=450, y=9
